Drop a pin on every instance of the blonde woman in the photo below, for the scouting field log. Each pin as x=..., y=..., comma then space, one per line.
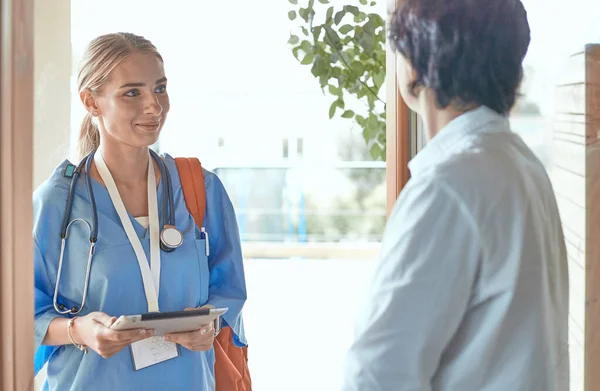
x=124, y=205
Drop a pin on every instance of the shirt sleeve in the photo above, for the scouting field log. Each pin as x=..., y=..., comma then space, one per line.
x=43, y=307
x=227, y=286
x=419, y=293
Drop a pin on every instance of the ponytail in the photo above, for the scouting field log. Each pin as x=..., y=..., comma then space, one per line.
x=89, y=137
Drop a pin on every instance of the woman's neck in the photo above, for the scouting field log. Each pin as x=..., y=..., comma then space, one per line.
x=128, y=165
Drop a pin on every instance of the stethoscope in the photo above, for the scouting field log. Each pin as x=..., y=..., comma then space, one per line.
x=170, y=237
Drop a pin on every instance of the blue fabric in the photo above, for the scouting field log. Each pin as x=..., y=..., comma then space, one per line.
x=188, y=279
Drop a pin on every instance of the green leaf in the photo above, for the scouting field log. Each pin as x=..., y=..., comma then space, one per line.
x=337, y=103
x=364, y=57
x=293, y=1
x=306, y=46
x=332, y=37
x=358, y=67
x=370, y=27
x=333, y=90
x=352, y=9
x=319, y=67
x=329, y=14
x=360, y=17
x=323, y=80
x=357, y=89
x=348, y=114
x=303, y=12
x=304, y=31
x=332, y=109
x=339, y=16
x=373, y=123
x=292, y=15
x=376, y=151
x=367, y=41
x=377, y=20
x=295, y=52
x=317, y=32
x=378, y=79
x=346, y=58
x=363, y=2
x=373, y=4
x=368, y=131
x=308, y=59
x=293, y=40
x=345, y=29
x=324, y=1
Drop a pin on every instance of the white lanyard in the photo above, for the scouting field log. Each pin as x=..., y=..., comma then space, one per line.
x=150, y=274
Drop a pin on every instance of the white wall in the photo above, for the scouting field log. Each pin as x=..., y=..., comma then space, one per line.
x=52, y=70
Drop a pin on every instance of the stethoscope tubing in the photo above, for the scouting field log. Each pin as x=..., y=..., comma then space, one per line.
x=168, y=214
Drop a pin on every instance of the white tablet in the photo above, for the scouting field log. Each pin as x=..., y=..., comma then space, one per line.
x=169, y=322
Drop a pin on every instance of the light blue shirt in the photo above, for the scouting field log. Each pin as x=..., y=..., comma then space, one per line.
x=188, y=279
x=471, y=290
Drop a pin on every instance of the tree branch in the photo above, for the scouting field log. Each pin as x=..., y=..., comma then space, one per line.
x=350, y=69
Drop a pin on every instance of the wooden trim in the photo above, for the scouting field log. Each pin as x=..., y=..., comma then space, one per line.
x=397, y=128
x=16, y=162
x=592, y=269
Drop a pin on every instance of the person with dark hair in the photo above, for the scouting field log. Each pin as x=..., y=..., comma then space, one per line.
x=471, y=289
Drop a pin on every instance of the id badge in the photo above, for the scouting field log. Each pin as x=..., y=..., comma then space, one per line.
x=151, y=351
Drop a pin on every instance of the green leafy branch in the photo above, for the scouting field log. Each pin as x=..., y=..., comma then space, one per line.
x=347, y=55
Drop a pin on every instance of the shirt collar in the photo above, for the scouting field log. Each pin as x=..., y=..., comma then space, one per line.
x=477, y=121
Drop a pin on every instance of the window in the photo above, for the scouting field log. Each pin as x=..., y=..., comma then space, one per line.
x=300, y=219
x=300, y=147
x=286, y=148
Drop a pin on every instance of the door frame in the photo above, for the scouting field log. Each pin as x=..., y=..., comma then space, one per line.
x=16, y=186
x=398, y=127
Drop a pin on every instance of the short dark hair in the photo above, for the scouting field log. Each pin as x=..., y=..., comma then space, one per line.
x=466, y=51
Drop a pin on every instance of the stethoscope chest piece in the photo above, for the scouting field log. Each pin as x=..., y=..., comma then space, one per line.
x=170, y=238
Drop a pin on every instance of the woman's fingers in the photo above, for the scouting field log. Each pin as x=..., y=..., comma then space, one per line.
x=194, y=340
x=127, y=336
x=109, y=342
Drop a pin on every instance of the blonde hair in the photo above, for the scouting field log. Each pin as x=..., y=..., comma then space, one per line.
x=101, y=56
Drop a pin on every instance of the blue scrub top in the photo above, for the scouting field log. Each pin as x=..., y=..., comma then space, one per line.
x=188, y=279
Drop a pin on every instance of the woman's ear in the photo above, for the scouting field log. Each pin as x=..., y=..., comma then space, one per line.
x=89, y=102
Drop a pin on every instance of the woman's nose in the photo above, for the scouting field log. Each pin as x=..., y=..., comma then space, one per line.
x=152, y=105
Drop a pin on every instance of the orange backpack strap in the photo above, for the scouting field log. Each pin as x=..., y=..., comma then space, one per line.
x=231, y=363
x=192, y=183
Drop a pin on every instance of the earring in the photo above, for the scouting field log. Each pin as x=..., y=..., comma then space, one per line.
x=95, y=113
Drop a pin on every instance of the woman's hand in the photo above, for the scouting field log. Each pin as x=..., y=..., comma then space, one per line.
x=197, y=340
x=93, y=330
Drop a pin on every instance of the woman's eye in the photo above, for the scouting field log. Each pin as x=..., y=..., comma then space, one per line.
x=132, y=93
x=161, y=89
